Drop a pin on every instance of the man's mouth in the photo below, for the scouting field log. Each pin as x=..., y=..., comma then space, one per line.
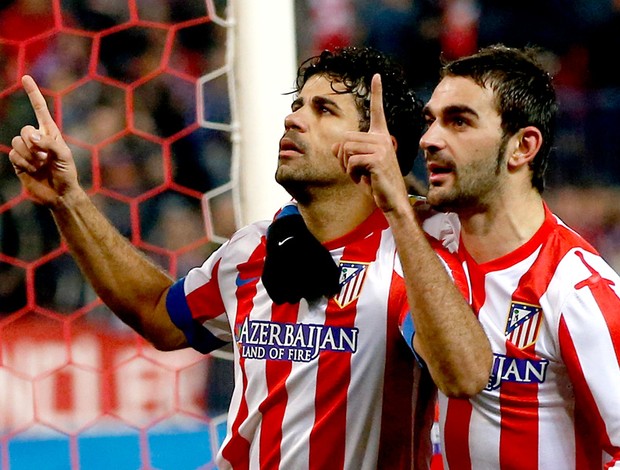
x=437, y=172
x=289, y=148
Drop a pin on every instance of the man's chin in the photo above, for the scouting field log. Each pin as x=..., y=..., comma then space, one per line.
x=439, y=200
x=295, y=188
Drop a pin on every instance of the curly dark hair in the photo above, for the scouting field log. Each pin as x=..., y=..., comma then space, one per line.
x=354, y=67
x=523, y=90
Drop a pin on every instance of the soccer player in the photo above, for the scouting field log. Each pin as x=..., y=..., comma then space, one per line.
x=319, y=320
x=546, y=299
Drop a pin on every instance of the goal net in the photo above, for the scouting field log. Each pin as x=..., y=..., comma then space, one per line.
x=172, y=109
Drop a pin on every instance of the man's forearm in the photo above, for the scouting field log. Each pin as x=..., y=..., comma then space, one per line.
x=129, y=284
x=448, y=335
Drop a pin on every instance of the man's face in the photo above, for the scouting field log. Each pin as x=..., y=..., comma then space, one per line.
x=463, y=146
x=319, y=118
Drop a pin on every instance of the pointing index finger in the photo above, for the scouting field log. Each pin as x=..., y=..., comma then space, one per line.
x=377, y=114
x=47, y=125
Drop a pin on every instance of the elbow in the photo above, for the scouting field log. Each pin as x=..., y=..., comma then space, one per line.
x=162, y=338
x=163, y=346
x=465, y=388
x=470, y=380
x=166, y=341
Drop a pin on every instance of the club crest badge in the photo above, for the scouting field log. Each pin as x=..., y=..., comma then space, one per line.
x=352, y=276
x=523, y=324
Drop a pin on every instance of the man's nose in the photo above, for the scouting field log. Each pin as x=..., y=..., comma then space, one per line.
x=431, y=137
x=295, y=121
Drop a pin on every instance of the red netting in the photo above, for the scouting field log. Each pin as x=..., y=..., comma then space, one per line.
x=121, y=78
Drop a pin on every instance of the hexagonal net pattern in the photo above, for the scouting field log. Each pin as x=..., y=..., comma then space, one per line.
x=140, y=91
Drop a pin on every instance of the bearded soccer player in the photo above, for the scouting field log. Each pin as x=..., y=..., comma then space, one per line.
x=546, y=299
x=319, y=319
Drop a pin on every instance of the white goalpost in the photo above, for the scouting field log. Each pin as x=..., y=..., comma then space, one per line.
x=260, y=69
x=264, y=68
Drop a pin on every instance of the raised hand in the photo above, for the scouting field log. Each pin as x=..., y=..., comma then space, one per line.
x=41, y=158
x=370, y=157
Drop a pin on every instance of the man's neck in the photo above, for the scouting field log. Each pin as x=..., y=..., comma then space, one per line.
x=506, y=224
x=329, y=218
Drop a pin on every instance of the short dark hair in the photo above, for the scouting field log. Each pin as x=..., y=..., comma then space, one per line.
x=523, y=90
x=354, y=67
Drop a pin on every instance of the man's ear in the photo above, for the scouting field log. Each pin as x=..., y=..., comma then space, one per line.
x=526, y=144
x=394, y=143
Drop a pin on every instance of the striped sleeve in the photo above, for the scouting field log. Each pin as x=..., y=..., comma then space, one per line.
x=589, y=338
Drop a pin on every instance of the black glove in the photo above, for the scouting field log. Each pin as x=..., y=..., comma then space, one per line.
x=297, y=265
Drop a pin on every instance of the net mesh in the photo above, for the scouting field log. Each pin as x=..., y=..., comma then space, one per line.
x=140, y=90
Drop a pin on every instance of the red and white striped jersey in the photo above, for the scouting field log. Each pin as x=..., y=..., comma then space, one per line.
x=331, y=384
x=551, y=309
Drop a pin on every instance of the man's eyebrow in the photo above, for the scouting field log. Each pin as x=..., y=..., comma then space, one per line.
x=323, y=100
x=317, y=101
x=452, y=110
x=297, y=102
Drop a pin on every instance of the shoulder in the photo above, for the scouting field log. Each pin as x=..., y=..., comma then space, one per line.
x=244, y=242
x=250, y=232
x=239, y=248
x=577, y=267
x=574, y=256
x=580, y=266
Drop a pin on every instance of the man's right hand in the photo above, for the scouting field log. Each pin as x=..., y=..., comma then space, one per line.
x=370, y=157
x=40, y=157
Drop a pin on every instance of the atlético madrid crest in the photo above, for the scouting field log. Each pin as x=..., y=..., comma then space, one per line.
x=352, y=276
x=523, y=324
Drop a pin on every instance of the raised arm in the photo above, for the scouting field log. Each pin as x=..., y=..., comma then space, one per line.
x=128, y=283
x=448, y=335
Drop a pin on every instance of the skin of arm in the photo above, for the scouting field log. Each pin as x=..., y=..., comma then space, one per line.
x=131, y=285
x=448, y=335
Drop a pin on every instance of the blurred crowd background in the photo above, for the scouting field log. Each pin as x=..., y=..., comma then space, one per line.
x=581, y=37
